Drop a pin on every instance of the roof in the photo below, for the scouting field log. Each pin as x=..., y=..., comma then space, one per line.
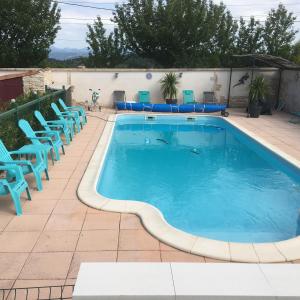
x=273, y=61
x=18, y=75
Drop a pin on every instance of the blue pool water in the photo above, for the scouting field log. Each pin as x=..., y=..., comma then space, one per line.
x=205, y=176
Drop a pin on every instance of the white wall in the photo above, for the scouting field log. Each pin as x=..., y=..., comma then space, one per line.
x=132, y=81
x=290, y=90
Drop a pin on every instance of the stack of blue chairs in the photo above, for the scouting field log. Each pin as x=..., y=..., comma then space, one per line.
x=33, y=157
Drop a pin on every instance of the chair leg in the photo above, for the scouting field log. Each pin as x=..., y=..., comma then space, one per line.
x=47, y=174
x=63, y=149
x=56, y=151
x=52, y=156
x=38, y=179
x=45, y=154
x=17, y=203
x=28, y=193
x=67, y=137
x=78, y=126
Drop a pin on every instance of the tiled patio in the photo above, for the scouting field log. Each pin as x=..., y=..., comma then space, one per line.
x=57, y=232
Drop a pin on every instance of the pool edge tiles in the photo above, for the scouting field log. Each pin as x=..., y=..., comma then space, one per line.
x=155, y=223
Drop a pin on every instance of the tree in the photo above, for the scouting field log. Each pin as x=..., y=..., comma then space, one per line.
x=296, y=53
x=250, y=37
x=176, y=33
x=27, y=30
x=223, y=36
x=105, y=51
x=279, y=33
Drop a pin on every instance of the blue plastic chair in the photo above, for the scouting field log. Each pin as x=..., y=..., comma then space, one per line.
x=50, y=141
x=71, y=119
x=75, y=108
x=188, y=97
x=36, y=168
x=144, y=97
x=57, y=125
x=16, y=187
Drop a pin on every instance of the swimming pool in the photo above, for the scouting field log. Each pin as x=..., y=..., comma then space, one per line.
x=205, y=176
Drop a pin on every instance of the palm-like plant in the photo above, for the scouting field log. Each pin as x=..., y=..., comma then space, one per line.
x=257, y=95
x=169, y=85
x=258, y=90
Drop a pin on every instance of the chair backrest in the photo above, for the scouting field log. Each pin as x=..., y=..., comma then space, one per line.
x=56, y=110
x=144, y=96
x=27, y=129
x=4, y=154
x=62, y=104
x=188, y=96
x=41, y=119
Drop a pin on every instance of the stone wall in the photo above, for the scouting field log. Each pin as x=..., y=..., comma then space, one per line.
x=34, y=82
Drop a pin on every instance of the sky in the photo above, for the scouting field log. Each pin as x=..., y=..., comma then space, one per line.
x=74, y=19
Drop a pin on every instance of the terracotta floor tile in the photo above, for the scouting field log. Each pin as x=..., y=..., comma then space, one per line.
x=99, y=256
x=68, y=288
x=130, y=221
x=137, y=240
x=18, y=241
x=51, y=194
x=296, y=261
x=65, y=222
x=36, y=207
x=179, y=256
x=98, y=240
x=165, y=247
x=57, y=241
x=5, y=284
x=43, y=292
x=70, y=207
x=58, y=174
x=58, y=184
x=27, y=223
x=4, y=220
x=11, y=264
x=37, y=283
x=139, y=256
x=104, y=220
x=69, y=193
x=212, y=260
x=47, y=266
x=64, y=165
x=73, y=183
x=92, y=210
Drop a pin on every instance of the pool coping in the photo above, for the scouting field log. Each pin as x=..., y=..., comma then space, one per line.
x=154, y=222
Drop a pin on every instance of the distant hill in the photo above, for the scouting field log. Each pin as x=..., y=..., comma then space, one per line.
x=67, y=53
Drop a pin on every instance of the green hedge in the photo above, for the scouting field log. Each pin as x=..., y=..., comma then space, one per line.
x=24, y=108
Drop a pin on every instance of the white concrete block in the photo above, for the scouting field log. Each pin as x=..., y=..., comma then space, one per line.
x=143, y=281
x=220, y=281
x=284, y=279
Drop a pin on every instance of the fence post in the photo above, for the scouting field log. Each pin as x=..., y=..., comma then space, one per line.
x=17, y=113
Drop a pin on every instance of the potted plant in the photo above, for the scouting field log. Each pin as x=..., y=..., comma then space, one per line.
x=169, y=87
x=257, y=96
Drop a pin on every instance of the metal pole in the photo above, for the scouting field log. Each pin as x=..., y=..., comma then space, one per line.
x=279, y=88
x=229, y=88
